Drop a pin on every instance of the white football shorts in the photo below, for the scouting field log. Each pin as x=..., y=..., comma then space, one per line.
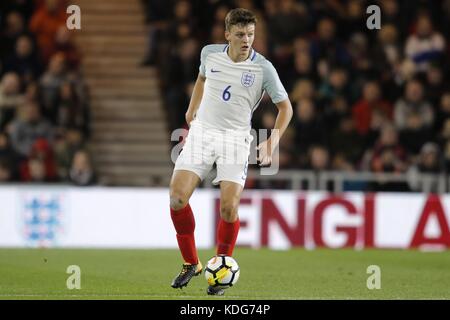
x=228, y=149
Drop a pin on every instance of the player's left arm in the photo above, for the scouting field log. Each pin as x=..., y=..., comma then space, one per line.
x=267, y=147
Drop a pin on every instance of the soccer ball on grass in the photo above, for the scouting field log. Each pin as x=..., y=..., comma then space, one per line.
x=222, y=271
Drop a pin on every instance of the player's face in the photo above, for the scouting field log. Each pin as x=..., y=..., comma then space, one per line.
x=240, y=38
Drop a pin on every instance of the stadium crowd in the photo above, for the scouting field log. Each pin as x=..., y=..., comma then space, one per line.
x=364, y=100
x=44, y=109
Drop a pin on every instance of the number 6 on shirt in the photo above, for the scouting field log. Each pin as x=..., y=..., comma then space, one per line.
x=226, y=95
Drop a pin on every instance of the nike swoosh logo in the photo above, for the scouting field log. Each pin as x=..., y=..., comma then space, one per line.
x=212, y=70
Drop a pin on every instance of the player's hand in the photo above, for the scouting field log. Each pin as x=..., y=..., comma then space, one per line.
x=264, y=156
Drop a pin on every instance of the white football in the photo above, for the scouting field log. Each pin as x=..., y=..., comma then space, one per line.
x=222, y=271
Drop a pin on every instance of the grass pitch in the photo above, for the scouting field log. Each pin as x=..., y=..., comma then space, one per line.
x=265, y=274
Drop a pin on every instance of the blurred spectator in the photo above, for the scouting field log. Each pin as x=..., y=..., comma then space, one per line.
x=333, y=112
x=388, y=155
x=404, y=72
x=67, y=143
x=246, y=4
x=70, y=112
x=378, y=120
x=335, y=85
x=413, y=102
x=353, y=19
x=268, y=120
x=180, y=49
x=65, y=45
x=303, y=68
x=188, y=54
x=447, y=156
x=318, y=158
x=27, y=127
x=309, y=128
x=80, y=94
x=303, y=89
x=392, y=14
x=183, y=23
x=415, y=134
x=261, y=42
x=443, y=112
x=14, y=28
x=217, y=34
x=25, y=7
x=33, y=170
x=41, y=166
x=220, y=13
x=346, y=143
x=446, y=17
x=82, y=172
x=327, y=46
x=156, y=10
x=287, y=149
x=387, y=51
x=359, y=52
x=5, y=170
x=363, y=110
x=10, y=98
x=430, y=161
x=24, y=60
x=425, y=45
x=288, y=21
x=32, y=92
x=45, y=23
x=180, y=75
x=444, y=134
x=8, y=158
x=50, y=85
x=157, y=15
x=321, y=8
x=436, y=83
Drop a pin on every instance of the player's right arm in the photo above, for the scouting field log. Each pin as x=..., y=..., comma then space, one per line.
x=196, y=98
x=197, y=93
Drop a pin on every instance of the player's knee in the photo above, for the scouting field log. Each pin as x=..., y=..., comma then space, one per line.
x=177, y=200
x=228, y=212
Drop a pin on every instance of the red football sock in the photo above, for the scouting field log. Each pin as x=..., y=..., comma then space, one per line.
x=184, y=223
x=227, y=233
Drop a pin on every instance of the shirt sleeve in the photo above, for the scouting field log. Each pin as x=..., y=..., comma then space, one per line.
x=204, y=54
x=272, y=83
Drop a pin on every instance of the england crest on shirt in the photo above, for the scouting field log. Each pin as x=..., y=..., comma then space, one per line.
x=247, y=79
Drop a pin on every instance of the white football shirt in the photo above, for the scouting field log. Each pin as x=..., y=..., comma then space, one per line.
x=233, y=90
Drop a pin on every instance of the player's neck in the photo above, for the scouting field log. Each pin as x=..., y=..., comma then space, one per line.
x=236, y=56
